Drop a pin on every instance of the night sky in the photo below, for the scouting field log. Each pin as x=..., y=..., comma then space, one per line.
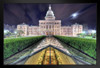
x=15, y=14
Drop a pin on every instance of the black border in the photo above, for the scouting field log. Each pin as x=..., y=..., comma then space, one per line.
x=49, y=1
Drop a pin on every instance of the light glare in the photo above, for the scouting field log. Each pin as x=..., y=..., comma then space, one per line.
x=74, y=15
x=5, y=31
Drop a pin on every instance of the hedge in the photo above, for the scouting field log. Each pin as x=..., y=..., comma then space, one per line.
x=88, y=46
x=12, y=46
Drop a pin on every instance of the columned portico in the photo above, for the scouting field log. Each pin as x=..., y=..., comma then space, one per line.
x=49, y=33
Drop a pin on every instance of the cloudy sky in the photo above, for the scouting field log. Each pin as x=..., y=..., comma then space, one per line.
x=15, y=14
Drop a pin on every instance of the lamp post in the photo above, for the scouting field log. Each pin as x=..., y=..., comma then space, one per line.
x=15, y=34
x=6, y=33
x=93, y=33
x=84, y=32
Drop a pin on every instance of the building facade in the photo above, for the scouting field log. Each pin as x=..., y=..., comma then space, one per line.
x=50, y=26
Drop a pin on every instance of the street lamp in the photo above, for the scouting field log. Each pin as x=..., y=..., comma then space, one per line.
x=15, y=33
x=6, y=31
x=84, y=32
x=93, y=31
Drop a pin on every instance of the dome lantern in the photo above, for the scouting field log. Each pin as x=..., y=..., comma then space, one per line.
x=49, y=14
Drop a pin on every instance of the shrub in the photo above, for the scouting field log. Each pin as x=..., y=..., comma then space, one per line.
x=86, y=45
x=12, y=46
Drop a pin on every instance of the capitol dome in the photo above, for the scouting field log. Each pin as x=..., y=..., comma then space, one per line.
x=50, y=13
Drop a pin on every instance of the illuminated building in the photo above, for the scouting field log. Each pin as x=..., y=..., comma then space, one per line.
x=50, y=26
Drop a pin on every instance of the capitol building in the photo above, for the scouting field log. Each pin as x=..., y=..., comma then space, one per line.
x=50, y=26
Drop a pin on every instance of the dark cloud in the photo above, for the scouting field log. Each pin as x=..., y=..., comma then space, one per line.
x=15, y=14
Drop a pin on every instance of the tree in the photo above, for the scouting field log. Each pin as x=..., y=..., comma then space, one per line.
x=93, y=35
x=81, y=35
x=78, y=35
x=20, y=32
x=7, y=34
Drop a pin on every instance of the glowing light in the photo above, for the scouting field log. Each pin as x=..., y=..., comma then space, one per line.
x=83, y=32
x=15, y=32
x=93, y=31
x=5, y=31
x=74, y=15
